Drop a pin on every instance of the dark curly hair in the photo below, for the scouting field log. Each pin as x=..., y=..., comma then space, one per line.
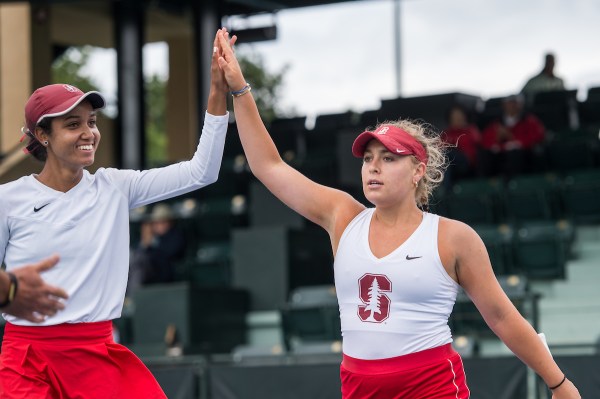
x=34, y=147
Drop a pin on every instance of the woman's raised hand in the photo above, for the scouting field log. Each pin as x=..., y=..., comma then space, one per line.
x=228, y=62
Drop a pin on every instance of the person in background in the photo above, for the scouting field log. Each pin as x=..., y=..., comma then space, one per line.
x=25, y=294
x=546, y=80
x=162, y=244
x=509, y=142
x=463, y=139
x=85, y=218
x=397, y=268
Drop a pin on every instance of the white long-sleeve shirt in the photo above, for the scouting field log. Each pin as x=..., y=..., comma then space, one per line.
x=88, y=226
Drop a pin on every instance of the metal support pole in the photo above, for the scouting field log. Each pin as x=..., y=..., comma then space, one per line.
x=129, y=26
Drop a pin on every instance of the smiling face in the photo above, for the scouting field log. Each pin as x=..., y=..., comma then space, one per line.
x=74, y=138
x=388, y=178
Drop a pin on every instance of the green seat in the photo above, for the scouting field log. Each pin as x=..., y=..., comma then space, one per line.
x=437, y=202
x=310, y=324
x=532, y=197
x=565, y=154
x=205, y=320
x=311, y=315
x=581, y=195
x=211, y=264
x=541, y=249
x=474, y=201
x=314, y=295
x=216, y=217
x=466, y=319
x=498, y=241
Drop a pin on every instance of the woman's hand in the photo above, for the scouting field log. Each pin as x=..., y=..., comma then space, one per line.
x=35, y=300
x=228, y=62
x=217, y=103
x=217, y=76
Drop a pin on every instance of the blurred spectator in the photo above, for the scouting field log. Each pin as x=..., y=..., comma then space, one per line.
x=464, y=139
x=162, y=244
x=508, y=142
x=546, y=80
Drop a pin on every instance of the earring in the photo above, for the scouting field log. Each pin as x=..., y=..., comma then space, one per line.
x=416, y=183
x=45, y=142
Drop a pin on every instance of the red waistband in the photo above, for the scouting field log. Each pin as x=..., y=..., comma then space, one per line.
x=400, y=363
x=66, y=333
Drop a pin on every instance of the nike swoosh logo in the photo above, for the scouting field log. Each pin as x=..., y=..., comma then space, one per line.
x=398, y=150
x=40, y=208
x=412, y=257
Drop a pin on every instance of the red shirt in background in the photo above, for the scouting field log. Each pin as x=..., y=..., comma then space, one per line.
x=526, y=133
x=467, y=139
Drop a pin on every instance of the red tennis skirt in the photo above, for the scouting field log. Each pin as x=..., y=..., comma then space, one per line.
x=71, y=361
x=430, y=374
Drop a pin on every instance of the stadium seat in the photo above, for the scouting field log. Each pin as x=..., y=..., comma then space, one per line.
x=532, y=197
x=314, y=295
x=566, y=154
x=581, y=195
x=541, y=250
x=498, y=240
x=589, y=110
x=368, y=119
x=204, y=320
x=310, y=324
x=474, y=201
x=491, y=111
x=466, y=319
x=288, y=133
x=216, y=217
x=318, y=348
x=211, y=264
x=311, y=315
x=334, y=122
x=556, y=109
x=252, y=353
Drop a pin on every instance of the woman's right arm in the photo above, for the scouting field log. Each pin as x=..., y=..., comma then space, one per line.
x=330, y=208
x=34, y=300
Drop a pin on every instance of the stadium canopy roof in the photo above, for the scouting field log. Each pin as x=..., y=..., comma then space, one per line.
x=164, y=18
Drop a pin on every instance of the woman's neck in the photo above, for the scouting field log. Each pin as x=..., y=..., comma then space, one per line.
x=398, y=215
x=59, y=180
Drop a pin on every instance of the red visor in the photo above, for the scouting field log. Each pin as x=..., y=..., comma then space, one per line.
x=396, y=140
x=56, y=100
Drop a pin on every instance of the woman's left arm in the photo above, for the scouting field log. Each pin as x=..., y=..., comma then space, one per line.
x=474, y=273
x=148, y=186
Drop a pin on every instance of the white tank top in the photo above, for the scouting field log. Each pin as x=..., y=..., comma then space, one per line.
x=397, y=304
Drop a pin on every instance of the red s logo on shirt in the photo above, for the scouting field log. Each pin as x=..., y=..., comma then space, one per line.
x=376, y=306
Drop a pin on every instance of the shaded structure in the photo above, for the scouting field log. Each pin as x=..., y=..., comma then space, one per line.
x=33, y=33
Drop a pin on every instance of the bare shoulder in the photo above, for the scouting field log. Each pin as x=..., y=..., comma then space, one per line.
x=453, y=231
x=458, y=243
x=347, y=210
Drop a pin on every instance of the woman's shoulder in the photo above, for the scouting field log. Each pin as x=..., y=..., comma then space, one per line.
x=454, y=230
x=17, y=184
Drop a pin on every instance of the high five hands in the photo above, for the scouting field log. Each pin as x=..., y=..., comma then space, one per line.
x=217, y=78
x=227, y=60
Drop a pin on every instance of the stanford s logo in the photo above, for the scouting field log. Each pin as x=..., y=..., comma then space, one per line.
x=376, y=306
x=383, y=130
x=70, y=88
